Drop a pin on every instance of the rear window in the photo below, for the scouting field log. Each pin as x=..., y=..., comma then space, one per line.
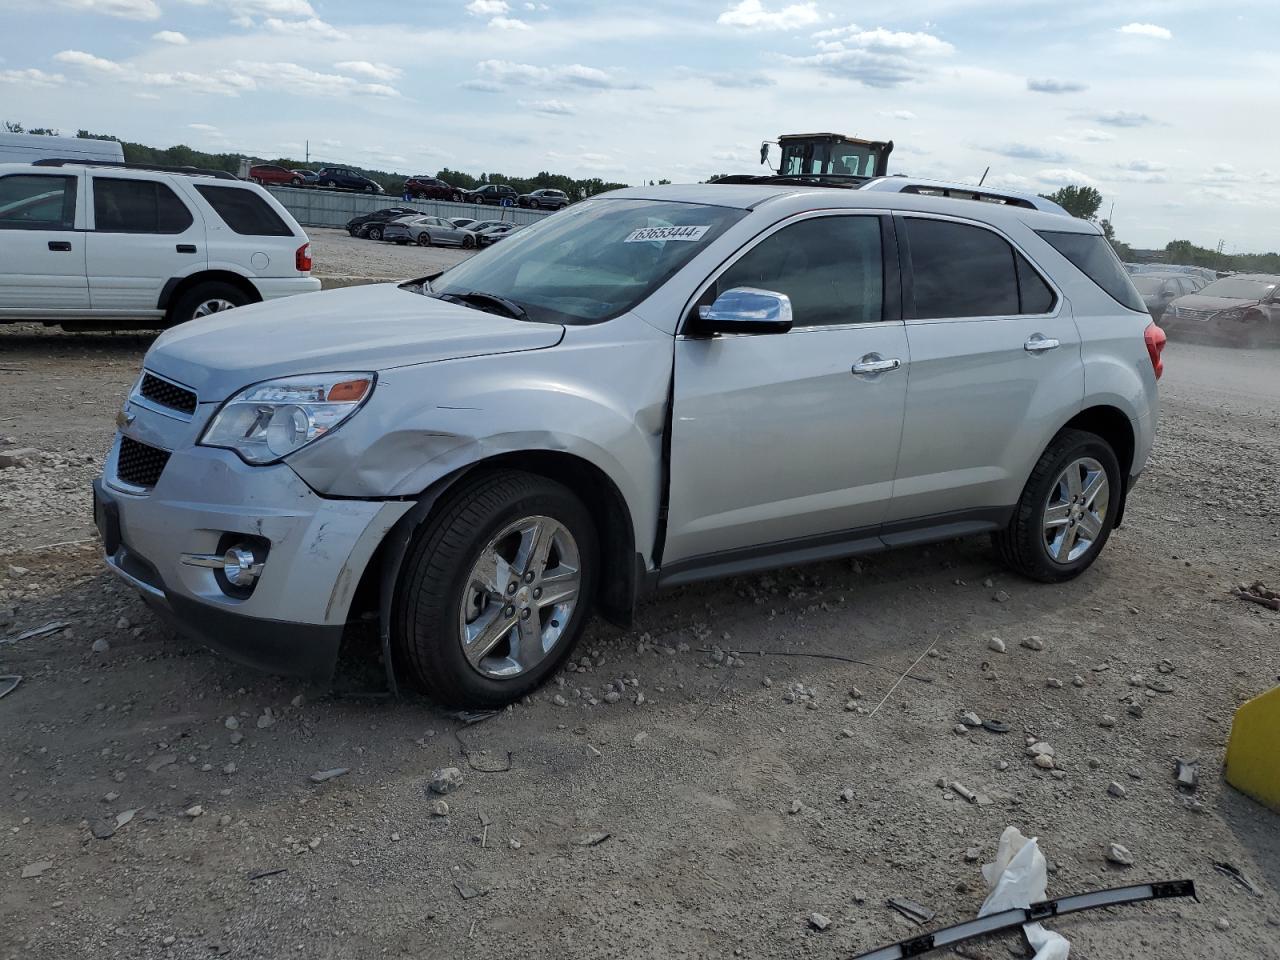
x=137, y=206
x=1091, y=253
x=244, y=211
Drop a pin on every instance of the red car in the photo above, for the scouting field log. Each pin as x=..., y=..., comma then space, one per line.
x=271, y=173
x=425, y=187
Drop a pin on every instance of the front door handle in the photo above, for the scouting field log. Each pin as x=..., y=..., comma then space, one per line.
x=186, y=248
x=873, y=363
x=60, y=246
x=1038, y=343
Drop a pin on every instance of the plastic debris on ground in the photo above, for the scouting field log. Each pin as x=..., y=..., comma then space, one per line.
x=1018, y=878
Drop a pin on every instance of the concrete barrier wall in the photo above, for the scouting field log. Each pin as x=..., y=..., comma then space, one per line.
x=332, y=208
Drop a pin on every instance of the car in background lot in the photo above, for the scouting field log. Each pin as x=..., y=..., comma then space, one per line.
x=496, y=232
x=492, y=193
x=131, y=247
x=426, y=231
x=1160, y=289
x=497, y=450
x=1242, y=309
x=344, y=178
x=309, y=177
x=462, y=221
x=366, y=224
x=426, y=187
x=544, y=199
x=271, y=173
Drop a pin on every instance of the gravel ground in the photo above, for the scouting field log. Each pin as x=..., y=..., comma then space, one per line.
x=340, y=256
x=734, y=802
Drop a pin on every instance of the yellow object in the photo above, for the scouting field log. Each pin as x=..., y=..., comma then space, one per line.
x=1253, y=751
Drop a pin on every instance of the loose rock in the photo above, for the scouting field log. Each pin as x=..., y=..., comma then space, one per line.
x=819, y=922
x=1116, y=789
x=1033, y=643
x=445, y=780
x=1119, y=855
x=996, y=644
x=323, y=776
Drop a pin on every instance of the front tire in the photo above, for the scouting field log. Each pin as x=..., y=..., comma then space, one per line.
x=204, y=300
x=1067, y=509
x=468, y=243
x=424, y=239
x=496, y=589
x=375, y=233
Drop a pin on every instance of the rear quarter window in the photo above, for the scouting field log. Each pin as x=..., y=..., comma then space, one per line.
x=244, y=211
x=1094, y=257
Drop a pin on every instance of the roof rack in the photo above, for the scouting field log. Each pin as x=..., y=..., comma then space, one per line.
x=955, y=190
x=118, y=165
x=848, y=181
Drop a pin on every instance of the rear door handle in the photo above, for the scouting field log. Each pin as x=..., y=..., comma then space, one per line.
x=60, y=246
x=186, y=248
x=1038, y=343
x=873, y=363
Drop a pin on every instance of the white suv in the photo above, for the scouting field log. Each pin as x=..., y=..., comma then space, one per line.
x=118, y=245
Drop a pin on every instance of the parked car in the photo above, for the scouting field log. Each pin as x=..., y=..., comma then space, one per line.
x=544, y=199
x=425, y=231
x=370, y=224
x=462, y=221
x=271, y=173
x=425, y=187
x=494, y=193
x=309, y=177
x=1242, y=309
x=595, y=412
x=127, y=246
x=344, y=178
x=493, y=234
x=1160, y=289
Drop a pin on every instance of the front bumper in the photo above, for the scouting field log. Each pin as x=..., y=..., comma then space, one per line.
x=316, y=551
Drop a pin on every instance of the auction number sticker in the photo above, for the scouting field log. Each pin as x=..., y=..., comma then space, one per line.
x=667, y=233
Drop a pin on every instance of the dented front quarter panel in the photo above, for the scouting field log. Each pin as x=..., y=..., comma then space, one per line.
x=600, y=395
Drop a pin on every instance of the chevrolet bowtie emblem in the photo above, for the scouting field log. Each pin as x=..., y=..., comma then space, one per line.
x=124, y=419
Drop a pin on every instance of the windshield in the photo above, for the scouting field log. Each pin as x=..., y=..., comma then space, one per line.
x=592, y=261
x=1232, y=288
x=839, y=158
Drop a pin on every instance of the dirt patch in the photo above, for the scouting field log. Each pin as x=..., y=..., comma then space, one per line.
x=228, y=847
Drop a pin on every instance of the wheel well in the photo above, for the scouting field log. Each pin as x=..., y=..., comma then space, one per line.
x=176, y=288
x=1112, y=426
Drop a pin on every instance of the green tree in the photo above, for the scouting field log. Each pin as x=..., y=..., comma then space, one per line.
x=1082, y=202
x=11, y=126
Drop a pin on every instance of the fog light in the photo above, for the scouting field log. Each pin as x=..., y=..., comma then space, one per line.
x=241, y=567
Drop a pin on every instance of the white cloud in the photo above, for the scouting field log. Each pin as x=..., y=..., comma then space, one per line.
x=753, y=15
x=171, y=36
x=1146, y=30
x=1087, y=135
x=1010, y=181
x=1065, y=175
x=264, y=8
x=728, y=80
x=898, y=114
x=500, y=73
x=78, y=58
x=554, y=108
x=1144, y=166
x=1050, y=85
x=203, y=127
x=299, y=79
x=1027, y=151
x=124, y=9
x=371, y=71
x=1224, y=168
x=311, y=27
x=1124, y=118
x=488, y=8
x=32, y=77
x=876, y=58
x=509, y=23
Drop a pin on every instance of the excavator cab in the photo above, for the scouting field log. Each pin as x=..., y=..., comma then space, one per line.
x=829, y=154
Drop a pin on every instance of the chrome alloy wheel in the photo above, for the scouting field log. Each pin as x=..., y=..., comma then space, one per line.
x=519, y=597
x=216, y=305
x=1076, y=510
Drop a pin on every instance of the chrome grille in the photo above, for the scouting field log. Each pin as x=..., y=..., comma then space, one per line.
x=140, y=464
x=166, y=394
x=1186, y=313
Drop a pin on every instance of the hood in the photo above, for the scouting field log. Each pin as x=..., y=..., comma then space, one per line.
x=372, y=327
x=1196, y=301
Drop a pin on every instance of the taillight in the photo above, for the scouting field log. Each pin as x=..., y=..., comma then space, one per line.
x=1155, y=338
x=302, y=258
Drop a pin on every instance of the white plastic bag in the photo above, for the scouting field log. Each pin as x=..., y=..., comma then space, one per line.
x=1018, y=879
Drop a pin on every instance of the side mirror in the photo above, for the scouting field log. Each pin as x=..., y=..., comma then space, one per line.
x=746, y=310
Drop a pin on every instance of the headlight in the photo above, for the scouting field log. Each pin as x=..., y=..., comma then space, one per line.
x=268, y=421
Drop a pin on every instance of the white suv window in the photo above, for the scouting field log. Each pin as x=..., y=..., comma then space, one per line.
x=137, y=206
x=37, y=202
x=244, y=211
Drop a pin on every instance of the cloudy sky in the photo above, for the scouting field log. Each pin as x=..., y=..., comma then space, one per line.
x=1167, y=106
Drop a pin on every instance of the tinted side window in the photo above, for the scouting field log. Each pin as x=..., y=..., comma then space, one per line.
x=1034, y=295
x=244, y=211
x=137, y=206
x=830, y=267
x=37, y=203
x=1091, y=253
x=960, y=271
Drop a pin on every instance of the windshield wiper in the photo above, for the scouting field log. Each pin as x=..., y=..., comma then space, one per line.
x=479, y=296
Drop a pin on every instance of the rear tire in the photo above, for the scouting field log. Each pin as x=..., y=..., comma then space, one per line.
x=424, y=239
x=295, y=182
x=1061, y=522
x=468, y=243
x=375, y=233
x=205, y=299
x=441, y=604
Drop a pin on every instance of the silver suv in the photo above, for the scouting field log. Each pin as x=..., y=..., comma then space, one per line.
x=657, y=386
